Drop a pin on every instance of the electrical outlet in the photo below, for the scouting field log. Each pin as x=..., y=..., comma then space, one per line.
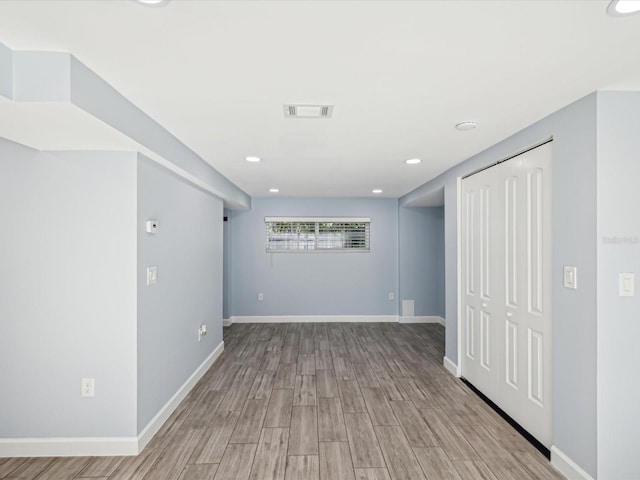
x=88, y=387
x=260, y=297
x=392, y=296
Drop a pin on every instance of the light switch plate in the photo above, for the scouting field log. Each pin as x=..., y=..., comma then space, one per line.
x=570, y=277
x=627, y=284
x=152, y=275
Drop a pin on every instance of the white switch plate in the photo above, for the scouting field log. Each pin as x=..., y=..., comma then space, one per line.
x=570, y=277
x=88, y=387
x=627, y=286
x=152, y=275
x=391, y=296
x=260, y=297
x=202, y=331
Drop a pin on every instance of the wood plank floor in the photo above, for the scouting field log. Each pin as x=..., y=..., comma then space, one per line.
x=319, y=402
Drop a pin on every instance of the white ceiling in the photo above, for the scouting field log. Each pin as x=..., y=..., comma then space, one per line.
x=400, y=74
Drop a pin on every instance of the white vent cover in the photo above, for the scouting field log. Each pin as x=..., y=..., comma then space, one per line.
x=308, y=111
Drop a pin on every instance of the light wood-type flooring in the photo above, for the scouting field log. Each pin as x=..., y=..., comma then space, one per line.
x=356, y=401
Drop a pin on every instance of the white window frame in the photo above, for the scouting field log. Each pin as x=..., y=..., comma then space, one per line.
x=316, y=235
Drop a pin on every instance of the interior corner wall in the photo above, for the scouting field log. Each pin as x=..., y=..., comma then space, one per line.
x=226, y=265
x=573, y=129
x=67, y=250
x=187, y=251
x=6, y=72
x=321, y=283
x=421, y=259
x=618, y=355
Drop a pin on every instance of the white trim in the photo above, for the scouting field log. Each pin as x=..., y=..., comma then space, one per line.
x=451, y=367
x=156, y=422
x=105, y=446
x=566, y=466
x=68, y=447
x=315, y=319
x=459, y=272
x=226, y=322
x=424, y=319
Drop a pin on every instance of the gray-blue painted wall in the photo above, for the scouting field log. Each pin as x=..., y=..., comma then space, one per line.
x=36, y=76
x=574, y=243
x=68, y=292
x=618, y=355
x=421, y=259
x=314, y=283
x=187, y=251
x=226, y=266
x=73, y=257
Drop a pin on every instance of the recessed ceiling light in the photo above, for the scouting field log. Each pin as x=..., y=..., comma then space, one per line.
x=619, y=8
x=253, y=159
x=464, y=126
x=413, y=161
x=153, y=3
x=376, y=190
x=274, y=190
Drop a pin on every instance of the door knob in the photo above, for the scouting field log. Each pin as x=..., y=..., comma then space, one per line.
x=509, y=314
x=484, y=305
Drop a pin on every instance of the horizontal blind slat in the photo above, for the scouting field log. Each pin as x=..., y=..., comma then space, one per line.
x=291, y=234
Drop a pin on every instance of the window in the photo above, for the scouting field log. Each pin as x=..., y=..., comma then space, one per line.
x=296, y=234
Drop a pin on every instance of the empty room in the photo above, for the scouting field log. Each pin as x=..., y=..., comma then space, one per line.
x=319, y=240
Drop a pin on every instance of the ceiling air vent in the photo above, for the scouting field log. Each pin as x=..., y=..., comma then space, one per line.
x=308, y=111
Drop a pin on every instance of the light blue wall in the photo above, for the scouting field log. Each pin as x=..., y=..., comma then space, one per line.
x=68, y=293
x=421, y=259
x=314, y=283
x=574, y=243
x=89, y=199
x=618, y=317
x=187, y=251
x=226, y=267
x=29, y=70
x=37, y=76
x=6, y=72
x=92, y=94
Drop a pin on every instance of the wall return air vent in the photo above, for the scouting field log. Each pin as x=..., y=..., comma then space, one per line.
x=308, y=111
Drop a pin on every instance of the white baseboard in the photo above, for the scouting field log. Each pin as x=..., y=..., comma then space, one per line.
x=68, y=447
x=105, y=446
x=227, y=322
x=451, y=367
x=427, y=319
x=566, y=466
x=315, y=318
x=147, y=433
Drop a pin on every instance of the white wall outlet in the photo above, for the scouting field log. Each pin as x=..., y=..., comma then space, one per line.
x=152, y=275
x=392, y=296
x=88, y=387
x=260, y=297
x=152, y=226
x=627, y=285
x=570, y=279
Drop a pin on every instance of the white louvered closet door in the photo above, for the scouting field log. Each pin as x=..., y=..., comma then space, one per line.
x=506, y=326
